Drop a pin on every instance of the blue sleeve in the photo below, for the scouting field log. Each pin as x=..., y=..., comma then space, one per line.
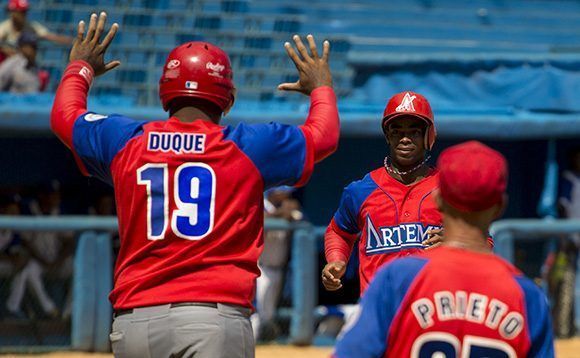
x=97, y=139
x=353, y=196
x=277, y=150
x=538, y=320
x=347, y=213
x=368, y=336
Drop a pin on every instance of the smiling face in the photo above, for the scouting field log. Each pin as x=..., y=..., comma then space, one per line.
x=406, y=138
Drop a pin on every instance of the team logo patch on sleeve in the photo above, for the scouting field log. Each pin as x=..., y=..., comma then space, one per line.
x=93, y=117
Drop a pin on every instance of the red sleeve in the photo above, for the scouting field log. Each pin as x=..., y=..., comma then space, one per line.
x=308, y=161
x=337, y=243
x=322, y=124
x=71, y=100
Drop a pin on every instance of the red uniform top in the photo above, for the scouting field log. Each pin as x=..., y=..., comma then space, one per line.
x=391, y=219
x=189, y=195
x=450, y=302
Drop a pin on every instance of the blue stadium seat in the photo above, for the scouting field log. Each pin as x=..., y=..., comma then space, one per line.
x=58, y=16
x=258, y=42
x=136, y=20
x=235, y=6
x=131, y=76
x=290, y=26
x=136, y=57
x=52, y=54
x=181, y=4
x=187, y=37
x=165, y=39
x=130, y=38
x=160, y=58
x=207, y=22
x=154, y=4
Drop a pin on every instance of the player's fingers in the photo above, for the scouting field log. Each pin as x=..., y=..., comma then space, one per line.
x=427, y=242
x=289, y=86
x=327, y=275
x=337, y=270
x=92, y=28
x=434, y=246
x=80, y=31
x=109, y=66
x=325, y=50
x=293, y=55
x=312, y=45
x=100, y=27
x=301, y=48
x=109, y=37
x=330, y=286
x=434, y=231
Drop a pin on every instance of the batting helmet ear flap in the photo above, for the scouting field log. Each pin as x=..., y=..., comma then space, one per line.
x=430, y=135
x=231, y=104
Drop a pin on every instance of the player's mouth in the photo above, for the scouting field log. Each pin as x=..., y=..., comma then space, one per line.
x=404, y=151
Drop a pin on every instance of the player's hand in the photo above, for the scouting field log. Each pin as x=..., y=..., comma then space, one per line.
x=90, y=49
x=313, y=71
x=434, y=238
x=331, y=275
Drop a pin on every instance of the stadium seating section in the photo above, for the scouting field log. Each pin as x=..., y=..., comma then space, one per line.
x=253, y=31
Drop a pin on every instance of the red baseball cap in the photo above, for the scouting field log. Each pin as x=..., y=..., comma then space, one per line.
x=472, y=176
x=18, y=5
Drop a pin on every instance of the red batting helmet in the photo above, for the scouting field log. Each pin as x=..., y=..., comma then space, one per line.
x=18, y=5
x=411, y=104
x=200, y=70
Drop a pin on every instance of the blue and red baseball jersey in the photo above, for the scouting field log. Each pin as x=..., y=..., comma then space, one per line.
x=450, y=302
x=189, y=201
x=391, y=218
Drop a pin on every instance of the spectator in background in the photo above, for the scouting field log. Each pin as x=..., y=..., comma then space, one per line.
x=12, y=255
x=278, y=203
x=11, y=29
x=49, y=252
x=561, y=264
x=20, y=73
x=569, y=200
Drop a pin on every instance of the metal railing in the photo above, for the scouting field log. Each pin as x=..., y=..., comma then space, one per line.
x=506, y=232
x=93, y=265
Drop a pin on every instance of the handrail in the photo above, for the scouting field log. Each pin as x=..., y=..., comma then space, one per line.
x=81, y=223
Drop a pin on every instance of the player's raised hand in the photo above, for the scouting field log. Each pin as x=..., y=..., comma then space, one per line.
x=313, y=70
x=332, y=273
x=89, y=47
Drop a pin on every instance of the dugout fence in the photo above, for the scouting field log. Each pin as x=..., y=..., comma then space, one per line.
x=93, y=263
x=92, y=281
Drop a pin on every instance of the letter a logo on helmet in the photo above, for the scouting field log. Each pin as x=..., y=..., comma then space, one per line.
x=200, y=70
x=407, y=104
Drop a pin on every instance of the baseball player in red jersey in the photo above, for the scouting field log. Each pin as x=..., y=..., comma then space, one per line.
x=189, y=191
x=458, y=300
x=391, y=209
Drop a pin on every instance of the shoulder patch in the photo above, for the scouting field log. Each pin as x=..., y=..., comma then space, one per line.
x=93, y=117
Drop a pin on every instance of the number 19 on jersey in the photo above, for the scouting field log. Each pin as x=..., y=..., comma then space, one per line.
x=194, y=195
